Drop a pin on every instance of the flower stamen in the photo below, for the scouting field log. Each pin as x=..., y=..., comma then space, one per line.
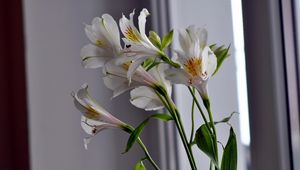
x=131, y=35
x=193, y=66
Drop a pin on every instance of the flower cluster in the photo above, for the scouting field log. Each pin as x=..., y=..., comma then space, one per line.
x=142, y=67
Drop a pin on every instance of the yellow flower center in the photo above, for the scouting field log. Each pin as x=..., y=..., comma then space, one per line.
x=100, y=43
x=126, y=65
x=92, y=114
x=193, y=66
x=131, y=35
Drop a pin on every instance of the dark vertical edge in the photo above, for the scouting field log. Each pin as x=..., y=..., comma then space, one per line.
x=14, y=153
x=268, y=110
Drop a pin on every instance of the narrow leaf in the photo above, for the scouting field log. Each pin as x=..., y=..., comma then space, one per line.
x=135, y=134
x=155, y=39
x=137, y=131
x=148, y=62
x=207, y=143
x=226, y=119
x=162, y=116
x=140, y=166
x=229, y=159
x=167, y=40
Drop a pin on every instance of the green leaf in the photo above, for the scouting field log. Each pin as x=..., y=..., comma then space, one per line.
x=226, y=119
x=140, y=166
x=162, y=116
x=137, y=131
x=155, y=39
x=148, y=62
x=229, y=159
x=221, y=54
x=167, y=40
x=207, y=143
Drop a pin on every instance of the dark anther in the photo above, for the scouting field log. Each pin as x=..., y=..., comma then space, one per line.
x=128, y=46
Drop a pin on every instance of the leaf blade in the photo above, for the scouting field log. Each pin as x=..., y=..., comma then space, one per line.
x=167, y=40
x=137, y=131
x=229, y=159
x=206, y=143
x=140, y=166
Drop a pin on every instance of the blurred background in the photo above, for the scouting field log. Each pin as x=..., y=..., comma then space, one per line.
x=40, y=44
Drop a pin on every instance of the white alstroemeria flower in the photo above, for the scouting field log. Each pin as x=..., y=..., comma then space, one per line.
x=105, y=42
x=137, y=44
x=94, y=118
x=197, y=59
x=143, y=84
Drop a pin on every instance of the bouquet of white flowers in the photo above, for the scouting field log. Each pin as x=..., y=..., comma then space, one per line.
x=143, y=67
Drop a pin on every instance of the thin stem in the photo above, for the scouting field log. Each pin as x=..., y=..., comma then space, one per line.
x=130, y=129
x=193, y=119
x=147, y=154
x=181, y=131
x=206, y=103
x=199, y=108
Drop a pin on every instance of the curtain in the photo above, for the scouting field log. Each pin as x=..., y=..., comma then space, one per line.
x=14, y=153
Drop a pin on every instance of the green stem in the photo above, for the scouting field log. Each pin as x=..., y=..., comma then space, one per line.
x=206, y=103
x=199, y=108
x=147, y=154
x=193, y=119
x=130, y=129
x=207, y=106
x=168, y=60
x=173, y=110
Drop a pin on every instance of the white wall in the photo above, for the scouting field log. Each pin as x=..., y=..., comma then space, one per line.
x=54, y=37
x=215, y=16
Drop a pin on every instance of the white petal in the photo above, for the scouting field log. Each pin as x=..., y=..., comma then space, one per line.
x=112, y=68
x=145, y=98
x=142, y=22
x=202, y=89
x=133, y=66
x=184, y=40
x=86, y=141
x=117, y=84
x=112, y=30
x=90, y=34
x=158, y=72
x=128, y=29
x=92, y=127
x=92, y=109
x=209, y=61
x=203, y=37
x=178, y=76
x=93, y=56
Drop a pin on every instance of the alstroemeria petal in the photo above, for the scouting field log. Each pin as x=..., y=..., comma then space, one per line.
x=158, y=73
x=203, y=37
x=90, y=34
x=142, y=22
x=184, y=40
x=133, y=66
x=86, y=141
x=93, y=56
x=112, y=29
x=178, y=76
x=145, y=98
x=209, y=61
x=202, y=89
x=91, y=109
x=128, y=29
x=117, y=84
